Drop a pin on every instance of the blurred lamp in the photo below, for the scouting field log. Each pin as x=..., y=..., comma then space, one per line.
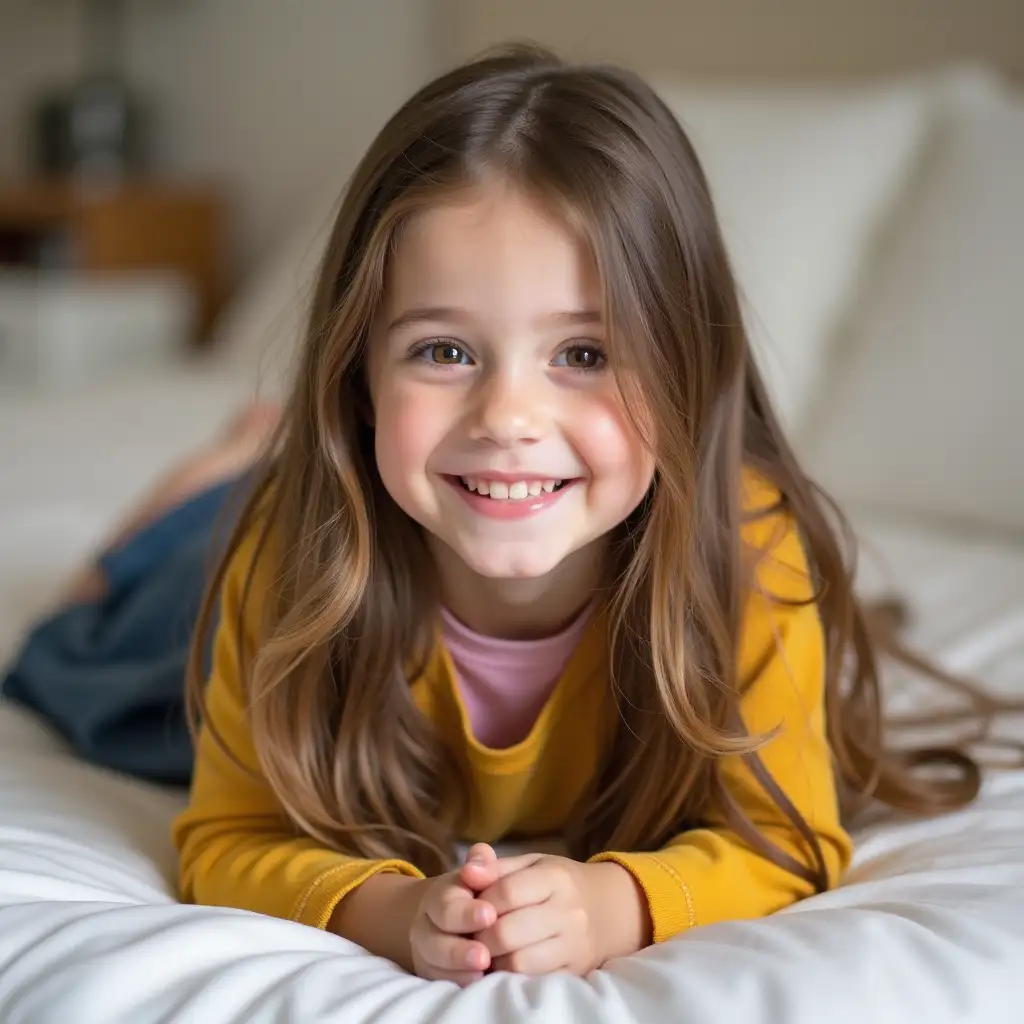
x=95, y=130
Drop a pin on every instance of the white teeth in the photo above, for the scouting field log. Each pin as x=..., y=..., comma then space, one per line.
x=501, y=491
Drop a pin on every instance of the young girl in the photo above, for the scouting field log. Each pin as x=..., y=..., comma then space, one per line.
x=530, y=555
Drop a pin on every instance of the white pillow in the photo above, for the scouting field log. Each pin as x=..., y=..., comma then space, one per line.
x=803, y=179
x=923, y=411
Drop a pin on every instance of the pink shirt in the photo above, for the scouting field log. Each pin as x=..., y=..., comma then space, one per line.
x=504, y=684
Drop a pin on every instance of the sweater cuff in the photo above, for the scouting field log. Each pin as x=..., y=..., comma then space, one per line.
x=320, y=898
x=668, y=897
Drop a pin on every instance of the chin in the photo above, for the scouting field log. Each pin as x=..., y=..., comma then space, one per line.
x=510, y=565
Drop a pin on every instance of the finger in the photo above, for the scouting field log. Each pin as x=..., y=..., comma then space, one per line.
x=526, y=888
x=541, y=958
x=521, y=928
x=460, y=978
x=481, y=853
x=479, y=876
x=479, y=871
x=452, y=953
x=463, y=978
x=458, y=912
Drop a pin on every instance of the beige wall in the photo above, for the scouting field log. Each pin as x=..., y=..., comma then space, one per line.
x=755, y=38
x=274, y=98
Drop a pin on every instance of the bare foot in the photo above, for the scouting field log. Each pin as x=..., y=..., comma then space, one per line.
x=240, y=444
x=237, y=447
x=257, y=420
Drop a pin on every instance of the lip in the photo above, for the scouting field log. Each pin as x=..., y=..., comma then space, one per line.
x=522, y=508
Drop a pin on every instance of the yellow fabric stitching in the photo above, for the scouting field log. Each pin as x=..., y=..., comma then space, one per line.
x=313, y=886
x=691, y=913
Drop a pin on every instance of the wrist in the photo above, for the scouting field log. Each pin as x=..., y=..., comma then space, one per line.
x=620, y=911
x=378, y=916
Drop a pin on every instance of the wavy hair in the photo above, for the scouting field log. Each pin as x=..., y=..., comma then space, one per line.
x=353, y=605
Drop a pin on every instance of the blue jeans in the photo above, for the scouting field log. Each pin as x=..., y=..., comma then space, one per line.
x=109, y=674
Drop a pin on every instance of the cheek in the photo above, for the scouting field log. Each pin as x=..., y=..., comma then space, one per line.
x=409, y=425
x=614, y=451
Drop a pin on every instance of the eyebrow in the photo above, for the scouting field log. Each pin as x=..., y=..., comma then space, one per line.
x=453, y=314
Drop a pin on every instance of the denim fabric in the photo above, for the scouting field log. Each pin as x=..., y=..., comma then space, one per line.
x=109, y=674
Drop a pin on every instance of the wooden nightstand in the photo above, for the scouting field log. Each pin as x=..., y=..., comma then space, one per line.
x=137, y=226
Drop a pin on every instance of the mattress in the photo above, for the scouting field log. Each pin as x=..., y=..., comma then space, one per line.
x=928, y=925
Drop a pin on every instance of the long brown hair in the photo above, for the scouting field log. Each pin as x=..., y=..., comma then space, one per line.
x=353, y=604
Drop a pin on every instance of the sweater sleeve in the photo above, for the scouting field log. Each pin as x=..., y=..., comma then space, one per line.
x=236, y=846
x=711, y=874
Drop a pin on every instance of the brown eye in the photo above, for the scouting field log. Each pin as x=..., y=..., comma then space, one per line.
x=444, y=353
x=584, y=357
x=447, y=354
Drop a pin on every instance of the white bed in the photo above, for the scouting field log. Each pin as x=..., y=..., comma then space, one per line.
x=929, y=924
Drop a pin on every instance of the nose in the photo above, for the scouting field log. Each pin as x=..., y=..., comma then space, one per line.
x=510, y=410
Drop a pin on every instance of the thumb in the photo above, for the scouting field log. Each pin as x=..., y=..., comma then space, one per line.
x=479, y=877
x=478, y=872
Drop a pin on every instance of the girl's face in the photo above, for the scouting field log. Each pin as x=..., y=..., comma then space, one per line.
x=499, y=425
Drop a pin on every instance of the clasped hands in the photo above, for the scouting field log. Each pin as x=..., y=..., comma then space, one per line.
x=531, y=914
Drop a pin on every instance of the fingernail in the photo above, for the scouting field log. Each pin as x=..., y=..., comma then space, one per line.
x=482, y=915
x=476, y=859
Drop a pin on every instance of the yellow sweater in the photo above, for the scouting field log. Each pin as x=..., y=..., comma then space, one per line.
x=237, y=849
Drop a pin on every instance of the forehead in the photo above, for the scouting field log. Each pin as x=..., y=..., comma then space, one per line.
x=491, y=249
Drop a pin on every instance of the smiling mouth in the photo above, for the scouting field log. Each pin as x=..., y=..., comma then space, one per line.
x=499, y=490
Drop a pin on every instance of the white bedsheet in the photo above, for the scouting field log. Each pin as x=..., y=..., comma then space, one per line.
x=928, y=926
